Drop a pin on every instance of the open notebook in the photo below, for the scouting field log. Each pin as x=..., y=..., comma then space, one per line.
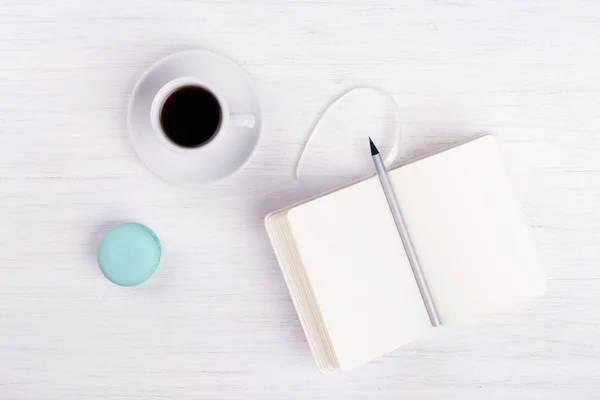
x=348, y=275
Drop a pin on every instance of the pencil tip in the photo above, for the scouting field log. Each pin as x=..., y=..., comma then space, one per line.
x=374, y=150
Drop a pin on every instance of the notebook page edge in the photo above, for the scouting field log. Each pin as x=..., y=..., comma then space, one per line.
x=325, y=362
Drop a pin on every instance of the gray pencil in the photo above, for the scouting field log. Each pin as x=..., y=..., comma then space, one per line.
x=388, y=190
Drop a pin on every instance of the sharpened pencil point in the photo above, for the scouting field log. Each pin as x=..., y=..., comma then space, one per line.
x=374, y=150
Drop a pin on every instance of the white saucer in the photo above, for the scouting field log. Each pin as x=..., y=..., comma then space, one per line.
x=230, y=154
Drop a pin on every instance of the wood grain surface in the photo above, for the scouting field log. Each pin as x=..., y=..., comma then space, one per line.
x=216, y=321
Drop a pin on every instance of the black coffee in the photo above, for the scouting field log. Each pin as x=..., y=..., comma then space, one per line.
x=190, y=116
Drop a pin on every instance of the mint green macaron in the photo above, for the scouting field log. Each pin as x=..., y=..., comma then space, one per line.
x=129, y=254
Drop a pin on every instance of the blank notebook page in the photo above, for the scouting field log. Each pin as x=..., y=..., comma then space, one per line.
x=361, y=278
x=469, y=230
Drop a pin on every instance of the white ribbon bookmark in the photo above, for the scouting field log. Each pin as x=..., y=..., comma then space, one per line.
x=389, y=159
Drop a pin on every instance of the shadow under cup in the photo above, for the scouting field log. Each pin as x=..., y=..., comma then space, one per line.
x=190, y=116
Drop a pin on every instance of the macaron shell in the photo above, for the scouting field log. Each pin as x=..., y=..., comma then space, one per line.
x=129, y=254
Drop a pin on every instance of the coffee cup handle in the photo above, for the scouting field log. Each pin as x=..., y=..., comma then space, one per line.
x=242, y=120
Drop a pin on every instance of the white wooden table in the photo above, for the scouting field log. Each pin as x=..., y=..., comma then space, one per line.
x=217, y=321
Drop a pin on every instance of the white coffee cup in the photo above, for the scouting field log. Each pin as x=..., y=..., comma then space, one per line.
x=228, y=119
